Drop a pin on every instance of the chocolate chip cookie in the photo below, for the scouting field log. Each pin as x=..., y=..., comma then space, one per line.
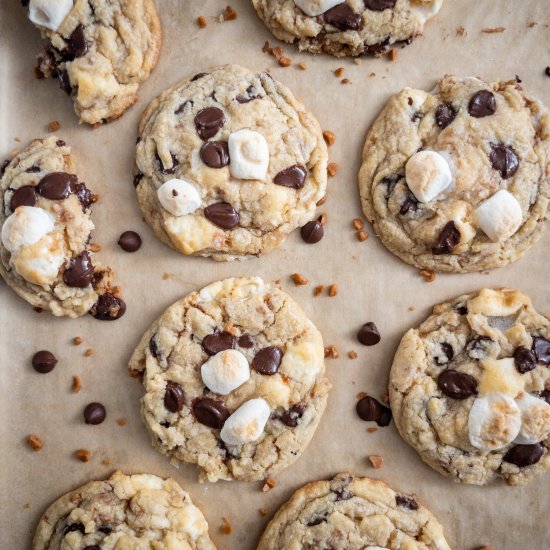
x=45, y=251
x=228, y=163
x=234, y=377
x=470, y=388
x=353, y=27
x=457, y=179
x=355, y=513
x=125, y=511
x=99, y=50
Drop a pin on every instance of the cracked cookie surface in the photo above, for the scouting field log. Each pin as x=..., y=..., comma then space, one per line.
x=353, y=27
x=458, y=179
x=281, y=372
x=45, y=251
x=355, y=513
x=125, y=511
x=470, y=388
x=185, y=135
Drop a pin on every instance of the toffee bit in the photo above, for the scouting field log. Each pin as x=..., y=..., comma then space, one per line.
x=268, y=485
x=317, y=291
x=493, y=30
x=428, y=275
x=321, y=201
x=202, y=22
x=226, y=527
x=376, y=461
x=89, y=352
x=339, y=72
x=302, y=66
x=77, y=384
x=77, y=340
x=94, y=247
x=392, y=54
x=83, y=455
x=352, y=354
x=362, y=235
x=35, y=442
x=53, y=126
x=358, y=224
x=345, y=81
x=333, y=290
x=229, y=14
x=299, y=280
x=329, y=137
x=332, y=169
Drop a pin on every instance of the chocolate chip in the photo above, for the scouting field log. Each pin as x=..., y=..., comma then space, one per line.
x=137, y=179
x=108, y=307
x=197, y=76
x=293, y=415
x=223, y=215
x=368, y=334
x=208, y=121
x=448, y=239
x=80, y=272
x=129, y=241
x=77, y=42
x=448, y=353
x=342, y=17
x=444, y=115
x=153, y=348
x=482, y=104
x=378, y=49
x=64, y=82
x=57, y=185
x=406, y=502
x=342, y=494
x=174, y=398
x=182, y=107
x=175, y=164
x=24, y=196
x=316, y=521
x=416, y=116
x=246, y=341
x=211, y=413
x=379, y=5
x=219, y=341
x=541, y=347
x=268, y=360
x=3, y=167
x=83, y=194
x=312, y=232
x=479, y=347
x=524, y=359
x=60, y=143
x=545, y=394
x=504, y=159
x=215, y=154
x=74, y=527
x=524, y=455
x=371, y=410
x=294, y=177
x=410, y=204
x=457, y=385
x=247, y=96
x=43, y=361
x=105, y=529
x=462, y=310
x=94, y=413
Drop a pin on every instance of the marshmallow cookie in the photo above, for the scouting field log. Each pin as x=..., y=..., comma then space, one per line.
x=125, y=511
x=234, y=377
x=45, y=253
x=228, y=163
x=457, y=179
x=341, y=28
x=99, y=50
x=353, y=513
x=470, y=388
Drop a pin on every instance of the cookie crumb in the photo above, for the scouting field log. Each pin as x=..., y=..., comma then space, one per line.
x=428, y=275
x=345, y=81
x=299, y=280
x=302, y=66
x=357, y=61
x=77, y=340
x=94, y=247
x=83, y=455
x=352, y=354
x=26, y=506
x=266, y=48
x=372, y=74
x=202, y=22
x=106, y=462
x=229, y=14
x=361, y=394
x=385, y=398
x=362, y=235
x=531, y=24
x=332, y=169
x=339, y=72
x=53, y=126
x=485, y=548
x=263, y=511
x=321, y=201
x=77, y=384
x=493, y=30
x=318, y=290
x=460, y=31
x=377, y=461
x=411, y=308
x=35, y=442
x=165, y=276
x=89, y=352
x=332, y=290
x=332, y=352
x=358, y=224
x=121, y=421
x=329, y=137
x=392, y=54
x=372, y=430
x=225, y=527
x=268, y=485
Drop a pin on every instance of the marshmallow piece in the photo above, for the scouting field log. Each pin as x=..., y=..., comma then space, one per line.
x=40, y=262
x=49, y=13
x=248, y=154
x=179, y=197
x=499, y=217
x=501, y=376
x=535, y=419
x=428, y=174
x=426, y=10
x=313, y=8
x=247, y=423
x=494, y=421
x=225, y=371
x=27, y=225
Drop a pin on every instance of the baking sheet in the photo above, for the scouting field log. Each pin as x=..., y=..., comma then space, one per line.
x=373, y=284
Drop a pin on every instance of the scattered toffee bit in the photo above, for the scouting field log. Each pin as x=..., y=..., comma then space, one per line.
x=321, y=201
x=428, y=274
x=457, y=385
x=202, y=22
x=312, y=232
x=280, y=57
x=362, y=235
x=293, y=177
x=406, y=502
x=83, y=455
x=329, y=137
x=493, y=30
x=332, y=290
x=268, y=360
x=89, y=352
x=53, y=126
x=35, y=442
x=524, y=455
x=94, y=413
x=223, y=215
x=263, y=512
x=377, y=461
x=524, y=359
x=332, y=169
x=226, y=527
x=246, y=341
x=448, y=354
x=77, y=384
x=541, y=347
x=108, y=307
x=460, y=31
x=268, y=485
x=302, y=66
x=121, y=421
x=448, y=239
x=482, y=104
x=368, y=334
x=371, y=410
x=299, y=280
x=43, y=361
x=392, y=54
x=318, y=290
x=229, y=14
x=358, y=224
x=219, y=341
x=339, y=72
x=211, y=413
x=95, y=247
x=352, y=354
x=129, y=241
x=174, y=397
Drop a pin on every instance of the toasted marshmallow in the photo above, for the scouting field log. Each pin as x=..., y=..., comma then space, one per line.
x=191, y=521
x=426, y=10
x=313, y=8
x=27, y=225
x=248, y=154
x=49, y=13
x=428, y=174
x=494, y=421
x=40, y=262
x=499, y=217
x=179, y=197
x=225, y=371
x=500, y=375
x=535, y=419
x=247, y=423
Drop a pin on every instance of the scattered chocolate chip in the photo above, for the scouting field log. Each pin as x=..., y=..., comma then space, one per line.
x=417, y=115
x=223, y=215
x=182, y=107
x=524, y=455
x=174, y=398
x=64, y=82
x=541, y=347
x=248, y=95
x=74, y=527
x=215, y=154
x=312, y=232
x=246, y=341
x=504, y=159
x=379, y=5
x=208, y=121
x=267, y=360
x=371, y=410
x=94, y=413
x=24, y=196
x=77, y=42
x=545, y=394
x=444, y=115
x=482, y=104
x=368, y=334
x=342, y=17
x=448, y=353
x=291, y=416
x=197, y=76
x=129, y=241
x=43, y=361
x=211, y=413
x=108, y=307
x=524, y=359
x=457, y=385
x=92, y=547
x=80, y=272
x=409, y=205
x=406, y=502
x=219, y=341
x=293, y=177
x=448, y=239
x=57, y=185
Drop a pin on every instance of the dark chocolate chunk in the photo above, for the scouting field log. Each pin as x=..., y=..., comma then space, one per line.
x=174, y=398
x=223, y=215
x=153, y=348
x=248, y=95
x=108, y=307
x=268, y=360
x=211, y=413
x=43, y=361
x=379, y=5
x=409, y=205
x=504, y=160
x=371, y=410
x=448, y=239
x=60, y=143
x=368, y=334
x=291, y=416
x=444, y=115
x=3, y=167
x=448, y=353
x=175, y=164
x=137, y=179
x=541, y=347
x=77, y=42
x=24, y=196
x=57, y=185
x=80, y=272
x=33, y=169
x=208, y=121
x=182, y=107
x=406, y=502
x=92, y=547
x=482, y=104
x=458, y=385
x=197, y=76
x=294, y=177
x=219, y=341
x=545, y=394
x=215, y=154
x=64, y=82
x=74, y=527
x=524, y=359
x=94, y=413
x=316, y=521
x=84, y=195
x=343, y=18
x=524, y=455
x=246, y=341
x=312, y=232
x=129, y=241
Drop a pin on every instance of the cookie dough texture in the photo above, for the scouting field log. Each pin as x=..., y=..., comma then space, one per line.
x=131, y=512
x=407, y=124
x=377, y=31
x=460, y=335
x=172, y=351
x=101, y=53
x=169, y=147
x=354, y=513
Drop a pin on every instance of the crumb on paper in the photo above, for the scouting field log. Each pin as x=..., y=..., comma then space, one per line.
x=77, y=340
x=392, y=54
x=106, y=462
x=321, y=201
x=317, y=291
x=302, y=66
x=357, y=61
x=83, y=455
x=411, y=308
x=358, y=224
x=26, y=506
x=329, y=137
x=332, y=169
x=362, y=235
x=263, y=511
x=35, y=442
x=332, y=290
x=345, y=81
x=372, y=74
x=225, y=527
x=89, y=352
x=361, y=394
x=121, y=421
x=339, y=72
x=77, y=384
x=460, y=31
x=531, y=24
x=202, y=22
x=352, y=354
x=17, y=138
x=229, y=14
x=53, y=126
x=268, y=485
x=95, y=247
x=377, y=461
x=372, y=429
x=165, y=276
x=493, y=30
x=428, y=275
x=299, y=280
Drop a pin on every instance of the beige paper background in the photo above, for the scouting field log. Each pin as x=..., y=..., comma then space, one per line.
x=373, y=284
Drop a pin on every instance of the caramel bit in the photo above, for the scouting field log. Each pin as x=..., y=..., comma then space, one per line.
x=77, y=384
x=263, y=511
x=332, y=290
x=121, y=421
x=165, y=276
x=299, y=280
x=352, y=354
x=229, y=14
x=460, y=31
x=332, y=169
x=268, y=485
x=493, y=30
x=77, y=340
x=329, y=137
x=83, y=455
x=372, y=430
x=332, y=352
x=376, y=461
x=225, y=527
x=392, y=54
x=362, y=235
x=53, y=126
x=318, y=290
x=266, y=48
x=339, y=72
x=428, y=275
x=202, y=22
x=321, y=201
x=89, y=352
x=358, y=224
x=35, y=442
x=345, y=81
x=94, y=247
x=302, y=66
x=323, y=218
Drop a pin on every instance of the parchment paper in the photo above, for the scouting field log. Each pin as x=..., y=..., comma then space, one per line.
x=374, y=285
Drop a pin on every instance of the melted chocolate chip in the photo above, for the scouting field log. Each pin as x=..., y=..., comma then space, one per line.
x=547, y=71
x=223, y=215
x=208, y=121
x=57, y=186
x=248, y=95
x=83, y=194
x=215, y=154
x=60, y=143
x=368, y=334
x=153, y=348
x=524, y=455
x=293, y=177
x=479, y=346
x=175, y=164
x=137, y=179
x=343, y=494
x=316, y=521
x=80, y=272
x=197, y=76
x=524, y=359
x=211, y=413
x=482, y=104
x=504, y=160
x=219, y=341
x=33, y=169
x=409, y=205
x=312, y=232
x=371, y=410
x=24, y=196
x=448, y=352
x=3, y=167
x=77, y=42
x=43, y=361
x=108, y=307
x=268, y=360
x=379, y=5
x=182, y=107
x=64, y=82
x=129, y=241
x=406, y=502
x=448, y=239
x=545, y=394
x=94, y=413
x=541, y=347
x=462, y=310
x=105, y=529
x=343, y=18
x=74, y=527
x=246, y=341
x=457, y=385
x=174, y=398
x=444, y=115
x=293, y=415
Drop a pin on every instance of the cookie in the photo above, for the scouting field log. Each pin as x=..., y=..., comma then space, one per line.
x=470, y=388
x=125, y=511
x=457, y=179
x=228, y=163
x=99, y=50
x=355, y=513
x=234, y=380
x=354, y=27
x=45, y=251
